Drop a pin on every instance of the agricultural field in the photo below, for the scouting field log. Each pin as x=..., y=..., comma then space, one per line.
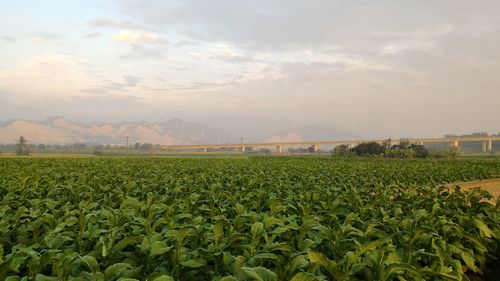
x=261, y=218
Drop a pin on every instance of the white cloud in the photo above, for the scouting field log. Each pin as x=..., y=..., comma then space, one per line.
x=221, y=52
x=111, y=23
x=128, y=36
x=52, y=76
x=46, y=75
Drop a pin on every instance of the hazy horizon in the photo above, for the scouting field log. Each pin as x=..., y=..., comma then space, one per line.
x=385, y=68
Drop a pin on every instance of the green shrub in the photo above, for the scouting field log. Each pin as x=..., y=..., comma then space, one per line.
x=420, y=151
x=400, y=153
x=452, y=152
x=369, y=148
x=342, y=150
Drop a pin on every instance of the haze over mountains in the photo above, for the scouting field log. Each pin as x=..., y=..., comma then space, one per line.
x=59, y=130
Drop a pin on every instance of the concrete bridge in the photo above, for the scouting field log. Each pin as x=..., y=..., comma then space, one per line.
x=316, y=145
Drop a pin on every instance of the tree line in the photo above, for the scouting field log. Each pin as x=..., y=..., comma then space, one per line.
x=404, y=149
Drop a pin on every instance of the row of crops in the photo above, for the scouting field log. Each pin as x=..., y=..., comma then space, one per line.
x=273, y=218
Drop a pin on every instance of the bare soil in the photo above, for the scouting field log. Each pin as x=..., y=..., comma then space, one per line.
x=490, y=185
x=492, y=270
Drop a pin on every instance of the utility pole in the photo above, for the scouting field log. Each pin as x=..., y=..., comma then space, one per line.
x=127, y=145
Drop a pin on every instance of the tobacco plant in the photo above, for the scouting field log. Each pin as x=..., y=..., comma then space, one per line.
x=269, y=218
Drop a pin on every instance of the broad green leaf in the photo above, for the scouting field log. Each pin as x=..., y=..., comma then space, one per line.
x=468, y=258
x=257, y=229
x=4, y=226
x=399, y=268
x=130, y=240
x=444, y=274
x=391, y=258
x=483, y=228
x=305, y=276
x=264, y=256
x=315, y=257
x=260, y=273
x=218, y=232
x=163, y=278
x=227, y=258
x=41, y=277
x=16, y=262
x=90, y=262
x=298, y=262
x=240, y=208
x=115, y=269
x=239, y=262
x=194, y=263
x=479, y=246
x=469, y=261
x=159, y=248
x=282, y=247
x=270, y=221
x=104, y=251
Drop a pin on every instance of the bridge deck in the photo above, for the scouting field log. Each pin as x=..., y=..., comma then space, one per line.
x=318, y=143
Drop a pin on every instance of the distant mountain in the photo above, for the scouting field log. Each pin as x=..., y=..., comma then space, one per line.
x=310, y=132
x=58, y=130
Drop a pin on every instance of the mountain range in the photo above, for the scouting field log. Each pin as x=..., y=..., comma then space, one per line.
x=59, y=130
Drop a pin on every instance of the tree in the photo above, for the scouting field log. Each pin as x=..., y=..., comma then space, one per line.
x=146, y=146
x=420, y=151
x=369, y=148
x=342, y=150
x=477, y=134
x=80, y=146
x=265, y=150
x=404, y=143
x=387, y=143
x=22, y=147
x=97, y=150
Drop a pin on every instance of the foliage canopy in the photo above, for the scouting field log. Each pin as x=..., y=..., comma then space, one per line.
x=243, y=219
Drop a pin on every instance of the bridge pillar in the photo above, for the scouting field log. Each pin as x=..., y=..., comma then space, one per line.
x=315, y=147
x=243, y=149
x=204, y=149
x=489, y=146
x=278, y=149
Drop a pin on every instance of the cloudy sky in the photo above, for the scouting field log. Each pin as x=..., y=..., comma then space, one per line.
x=412, y=68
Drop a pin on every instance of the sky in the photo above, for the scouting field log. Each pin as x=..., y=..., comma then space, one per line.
x=401, y=68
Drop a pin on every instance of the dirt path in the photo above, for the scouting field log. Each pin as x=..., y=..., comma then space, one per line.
x=491, y=185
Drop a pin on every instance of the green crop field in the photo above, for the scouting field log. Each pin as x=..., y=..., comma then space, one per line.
x=269, y=218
